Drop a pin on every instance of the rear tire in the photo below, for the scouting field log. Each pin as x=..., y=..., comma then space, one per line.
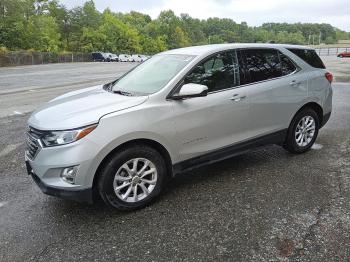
x=302, y=131
x=125, y=171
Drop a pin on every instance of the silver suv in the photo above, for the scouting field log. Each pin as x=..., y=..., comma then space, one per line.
x=178, y=110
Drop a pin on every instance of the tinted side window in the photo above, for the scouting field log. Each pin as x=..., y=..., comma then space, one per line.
x=287, y=66
x=309, y=56
x=262, y=64
x=218, y=72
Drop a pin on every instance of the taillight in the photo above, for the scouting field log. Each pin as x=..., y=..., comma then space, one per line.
x=329, y=77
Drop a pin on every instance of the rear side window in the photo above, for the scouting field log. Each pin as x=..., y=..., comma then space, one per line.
x=309, y=56
x=287, y=66
x=262, y=64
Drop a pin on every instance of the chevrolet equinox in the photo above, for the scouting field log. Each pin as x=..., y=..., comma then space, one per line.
x=178, y=110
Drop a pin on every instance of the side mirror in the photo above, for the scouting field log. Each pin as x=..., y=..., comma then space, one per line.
x=191, y=90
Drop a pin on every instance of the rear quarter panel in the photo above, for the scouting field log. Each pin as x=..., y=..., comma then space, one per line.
x=320, y=90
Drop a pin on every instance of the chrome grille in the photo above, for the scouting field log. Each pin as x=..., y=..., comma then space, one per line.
x=35, y=132
x=32, y=143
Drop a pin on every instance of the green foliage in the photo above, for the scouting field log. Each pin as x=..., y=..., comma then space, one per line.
x=153, y=45
x=43, y=33
x=329, y=40
x=47, y=25
x=3, y=50
x=179, y=38
x=112, y=36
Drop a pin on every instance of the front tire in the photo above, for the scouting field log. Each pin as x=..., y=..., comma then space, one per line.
x=132, y=178
x=302, y=131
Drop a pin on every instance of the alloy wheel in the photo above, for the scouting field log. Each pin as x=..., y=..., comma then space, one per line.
x=135, y=180
x=305, y=131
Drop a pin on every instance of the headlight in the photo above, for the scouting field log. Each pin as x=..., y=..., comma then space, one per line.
x=56, y=138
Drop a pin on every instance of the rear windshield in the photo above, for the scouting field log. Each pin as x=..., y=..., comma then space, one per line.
x=309, y=56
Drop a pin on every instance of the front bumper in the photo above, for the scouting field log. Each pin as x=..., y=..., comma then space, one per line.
x=48, y=164
x=80, y=195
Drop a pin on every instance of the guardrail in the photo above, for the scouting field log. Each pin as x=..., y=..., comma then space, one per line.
x=332, y=51
x=16, y=58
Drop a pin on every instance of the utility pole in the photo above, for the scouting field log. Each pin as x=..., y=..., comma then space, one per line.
x=209, y=40
x=319, y=39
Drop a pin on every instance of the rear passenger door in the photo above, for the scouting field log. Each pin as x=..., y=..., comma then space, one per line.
x=276, y=90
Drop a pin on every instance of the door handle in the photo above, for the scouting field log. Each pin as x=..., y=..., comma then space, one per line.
x=237, y=98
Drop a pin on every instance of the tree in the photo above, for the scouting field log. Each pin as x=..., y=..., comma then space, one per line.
x=171, y=27
x=92, y=40
x=194, y=29
x=137, y=20
x=12, y=24
x=63, y=20
x=43, y=33
x=48, y=25
x=180, y=38
x=112, y=36
x=153, y=45
x=81, y=18
x=215, y=39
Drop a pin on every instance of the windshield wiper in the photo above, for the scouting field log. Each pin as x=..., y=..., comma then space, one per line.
x=107, y=87
x=123, y=93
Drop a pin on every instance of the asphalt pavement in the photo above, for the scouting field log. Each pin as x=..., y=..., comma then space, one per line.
x=23, y=88
x=266, y=205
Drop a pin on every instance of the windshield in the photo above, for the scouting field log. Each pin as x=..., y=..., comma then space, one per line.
x=152, y=75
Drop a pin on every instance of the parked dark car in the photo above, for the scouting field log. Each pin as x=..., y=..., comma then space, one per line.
x=100, y=57
x=344, y=54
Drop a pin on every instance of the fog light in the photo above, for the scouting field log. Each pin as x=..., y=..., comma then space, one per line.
x=68, y=174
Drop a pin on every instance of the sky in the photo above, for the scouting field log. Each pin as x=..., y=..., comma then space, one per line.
x=254, y=12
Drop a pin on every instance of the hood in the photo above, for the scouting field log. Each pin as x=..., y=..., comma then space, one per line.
x=80, y=108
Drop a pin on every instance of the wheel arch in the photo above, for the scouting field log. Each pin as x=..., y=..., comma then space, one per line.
x=144, y=141
x=316, y=107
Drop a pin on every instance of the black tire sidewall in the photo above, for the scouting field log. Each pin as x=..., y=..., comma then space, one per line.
x=105, y=182
x=291, y=143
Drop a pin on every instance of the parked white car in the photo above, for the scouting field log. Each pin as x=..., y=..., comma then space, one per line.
x=136, y=58
x=124, y=58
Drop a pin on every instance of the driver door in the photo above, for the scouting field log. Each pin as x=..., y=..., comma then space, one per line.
x=218, y=120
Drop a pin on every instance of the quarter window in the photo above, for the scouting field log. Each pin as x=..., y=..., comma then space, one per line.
x=309, y=56
x=262, y=64
x=219, y=72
